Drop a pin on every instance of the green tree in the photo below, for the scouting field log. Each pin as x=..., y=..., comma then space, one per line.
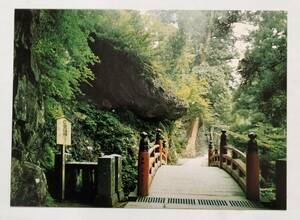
x=263, y=69
x=260, y=100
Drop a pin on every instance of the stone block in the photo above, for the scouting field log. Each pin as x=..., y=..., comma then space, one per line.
x=106, y=190
x=118, y=176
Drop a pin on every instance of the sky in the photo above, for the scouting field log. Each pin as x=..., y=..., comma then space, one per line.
x=240, y=30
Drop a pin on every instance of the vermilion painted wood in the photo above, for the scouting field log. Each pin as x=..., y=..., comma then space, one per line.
x=148, y=164
x=252, y=176
x=143, y=173
x=160, y=143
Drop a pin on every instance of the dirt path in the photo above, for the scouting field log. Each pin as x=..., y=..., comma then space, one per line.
x=196, y=149
x=190, y=150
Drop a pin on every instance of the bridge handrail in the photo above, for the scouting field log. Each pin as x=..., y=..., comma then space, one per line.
x=244, y=168
x=235, y=164
x=155, y=146
x=150, y=159
x=239, y=153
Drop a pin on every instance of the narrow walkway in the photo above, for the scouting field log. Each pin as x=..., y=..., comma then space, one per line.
x=192, y=184
x=193, y=181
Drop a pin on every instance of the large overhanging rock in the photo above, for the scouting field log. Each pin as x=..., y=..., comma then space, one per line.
x=121, y=84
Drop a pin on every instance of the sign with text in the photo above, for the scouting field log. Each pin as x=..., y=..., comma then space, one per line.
x=63, y=131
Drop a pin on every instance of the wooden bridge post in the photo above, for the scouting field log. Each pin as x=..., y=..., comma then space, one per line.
x=223, y=143
x=252, y=169
x=143, y=166
x=210, y=152
x=159, y=140
x=281, y=184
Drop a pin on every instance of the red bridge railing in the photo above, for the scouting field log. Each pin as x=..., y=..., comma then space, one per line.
x=150, y=159
x=244, y=168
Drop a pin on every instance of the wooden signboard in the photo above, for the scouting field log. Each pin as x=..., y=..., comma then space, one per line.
x=63, y=138
x=63, y=131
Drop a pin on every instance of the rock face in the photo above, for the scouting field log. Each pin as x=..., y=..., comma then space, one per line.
x=28, y=184
x=120, y=84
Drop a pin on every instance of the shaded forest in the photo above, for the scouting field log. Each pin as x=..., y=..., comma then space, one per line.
x=178, y=62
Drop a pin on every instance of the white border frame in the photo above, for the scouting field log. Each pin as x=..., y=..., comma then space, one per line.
x=6, y=82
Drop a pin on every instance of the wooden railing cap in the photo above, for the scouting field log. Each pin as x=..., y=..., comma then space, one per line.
x=252, y=144
x=144, y=134
x=144, y=142
x=159, y=135
x=252, y=135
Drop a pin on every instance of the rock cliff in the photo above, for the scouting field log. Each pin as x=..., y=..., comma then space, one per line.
x=120, y=83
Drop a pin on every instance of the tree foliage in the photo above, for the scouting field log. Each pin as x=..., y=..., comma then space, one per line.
x=260, y=101
x=264, y=70
x=61, y=55
x=185, y=52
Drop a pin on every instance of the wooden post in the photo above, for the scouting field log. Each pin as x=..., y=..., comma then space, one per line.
x=210, y=152
x=281, y=184
x=63, y=138
x=143, y=166
x=60, y=173
x=252, y=169
x=62, y=166
x=57, y=168
x=159, y=140
x=223, y=143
